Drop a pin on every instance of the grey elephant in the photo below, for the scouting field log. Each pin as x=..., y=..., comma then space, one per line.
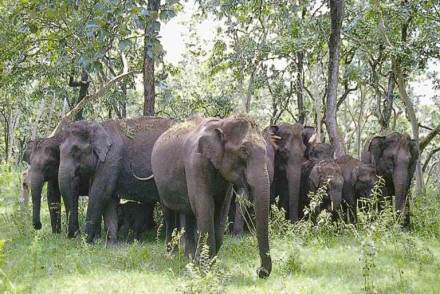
x=134, y=217
x=195, y=165
x=315, y=174
x=43, y=155
x=109, y=153
x=359, y=180
x=238, y=212
x=289, y=157
x=394, y=157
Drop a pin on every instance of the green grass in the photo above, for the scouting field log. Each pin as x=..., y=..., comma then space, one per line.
x=402, y=261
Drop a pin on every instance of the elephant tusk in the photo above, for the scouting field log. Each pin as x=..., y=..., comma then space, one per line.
x=331, y=205
x=139, y=178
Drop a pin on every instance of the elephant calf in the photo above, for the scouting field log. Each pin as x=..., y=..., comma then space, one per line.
x=314, y=175
x=134, y=217
x=359, y=179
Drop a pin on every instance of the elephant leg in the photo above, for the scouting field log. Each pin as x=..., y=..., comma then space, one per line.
x=98, y=230
x=170, y=224
x=125, y=231
x=190, y=236
x=53, y=201
x=111, y=220
x=221, y=219
x=205, y=223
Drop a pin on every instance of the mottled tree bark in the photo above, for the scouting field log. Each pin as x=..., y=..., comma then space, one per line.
x=83, y=90
x=148, y=68
x=336, y=14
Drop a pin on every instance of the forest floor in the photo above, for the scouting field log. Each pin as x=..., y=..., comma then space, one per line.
x=374, y=257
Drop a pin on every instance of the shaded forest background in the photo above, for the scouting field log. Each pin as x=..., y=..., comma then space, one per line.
x=350, y=68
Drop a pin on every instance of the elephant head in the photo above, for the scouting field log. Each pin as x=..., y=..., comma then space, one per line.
x=322, y=172
x=320, y=151
x=365, y=178
x=394, y=158
x=44, y=159
x=293, y=142
x=237, y=149
x=85, y=146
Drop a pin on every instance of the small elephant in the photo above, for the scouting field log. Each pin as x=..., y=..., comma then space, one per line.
x=134, y=216
x=110, y=153
x=291, y=147
x=314, y=175
x=359, y=180
x=320, y=151
x=196, y=163
x=394, y=157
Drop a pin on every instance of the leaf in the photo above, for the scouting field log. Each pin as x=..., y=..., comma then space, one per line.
x=123, y=44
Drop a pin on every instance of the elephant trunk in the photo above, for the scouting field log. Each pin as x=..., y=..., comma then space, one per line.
x=260, y=189
x=66, y=177
x=37, y=182
x=293, y=174
x=400, y=181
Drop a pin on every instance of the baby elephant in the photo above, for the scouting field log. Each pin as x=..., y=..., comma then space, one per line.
x=359, y=179
x=315, y=174
x=135, y=217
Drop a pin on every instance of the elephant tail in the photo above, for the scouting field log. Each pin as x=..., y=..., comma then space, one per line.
x=140, y=178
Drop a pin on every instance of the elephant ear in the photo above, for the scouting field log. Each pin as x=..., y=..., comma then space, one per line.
x=315, y=175
x=211, y=146
x=101, y=141
x=355, y=173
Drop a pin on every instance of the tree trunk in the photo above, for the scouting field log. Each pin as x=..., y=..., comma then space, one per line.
x=336, y=13
x=300, y=88
x=37, y=119
x=148, y=67
x=318, y=103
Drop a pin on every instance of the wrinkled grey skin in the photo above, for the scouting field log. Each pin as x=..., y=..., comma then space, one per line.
x=109, y=153
x=320, y=151
x=195, y=165
x=289, y=157
x=394, y=158
x=43, y=155
x=359, y=180
x=238, y=212
x=314, y=175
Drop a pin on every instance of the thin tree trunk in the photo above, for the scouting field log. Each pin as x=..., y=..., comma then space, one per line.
x=336, y=13
x=37, y=119
x=300, y=88
x=318, y=103
x=124, y=100
x=83, y=89
x=148, y=67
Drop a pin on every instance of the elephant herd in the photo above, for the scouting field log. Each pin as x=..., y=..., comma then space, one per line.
x=127, y=166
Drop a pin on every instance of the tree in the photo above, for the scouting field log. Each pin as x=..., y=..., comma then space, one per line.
x=336, y=14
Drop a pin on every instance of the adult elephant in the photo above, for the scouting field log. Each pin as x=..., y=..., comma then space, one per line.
x=237, y=211
x=195, y=165
x=394, y=157
x=359, y=180
x=109, y=153
x=291, y=150
x=316, y=174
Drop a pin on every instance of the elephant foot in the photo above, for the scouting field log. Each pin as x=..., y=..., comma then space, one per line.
x=37, y=225
x=237, y=234
x=263, y=273
x=73, y=233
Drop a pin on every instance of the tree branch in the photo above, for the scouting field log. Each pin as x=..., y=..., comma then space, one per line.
x=428, y=158
x=429, y=138
x=88, y=98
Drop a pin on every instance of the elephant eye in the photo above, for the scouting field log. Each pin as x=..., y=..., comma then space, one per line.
x=243, y=152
